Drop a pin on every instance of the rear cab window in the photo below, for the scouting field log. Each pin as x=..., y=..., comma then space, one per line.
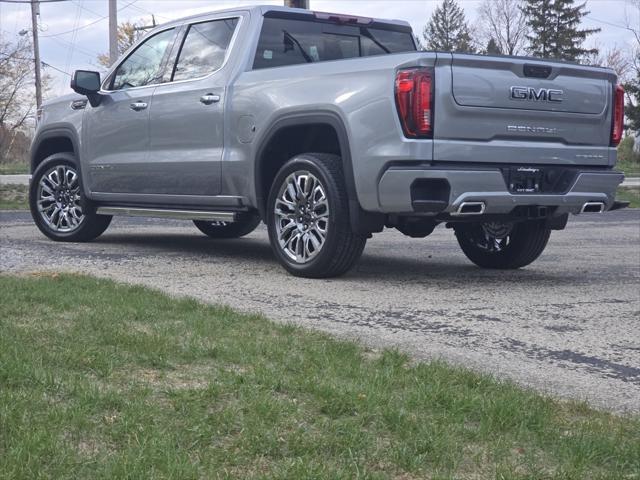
x=292, y=39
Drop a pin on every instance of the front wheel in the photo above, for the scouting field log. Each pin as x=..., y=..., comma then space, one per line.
x=58, y=203
x=502, y=245
x=308, y=218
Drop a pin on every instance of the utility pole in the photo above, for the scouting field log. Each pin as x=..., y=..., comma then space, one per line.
x=297, y=4
x=35, y=11
x=113, y=31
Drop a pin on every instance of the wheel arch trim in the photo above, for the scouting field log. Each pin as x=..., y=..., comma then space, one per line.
x=321, y=117
x=48, y=134
x=297, y=119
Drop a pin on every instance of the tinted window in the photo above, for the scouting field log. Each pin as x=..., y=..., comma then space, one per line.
x=204, y=48
x=142, y=67
x=292, y=41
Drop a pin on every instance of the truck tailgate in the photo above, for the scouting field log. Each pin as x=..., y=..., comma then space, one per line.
x=520, y=110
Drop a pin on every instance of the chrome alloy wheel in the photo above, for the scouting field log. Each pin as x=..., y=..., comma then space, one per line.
x=302, y=216
x=58, y=199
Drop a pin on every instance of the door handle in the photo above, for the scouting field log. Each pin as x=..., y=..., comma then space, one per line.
x=137, y=106
x=209, y=98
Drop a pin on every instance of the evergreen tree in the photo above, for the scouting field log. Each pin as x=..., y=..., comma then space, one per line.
x=554, y=29
x=492, y=48
x=447, y=29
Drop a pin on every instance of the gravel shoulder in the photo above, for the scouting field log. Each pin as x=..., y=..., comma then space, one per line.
x=567, y=325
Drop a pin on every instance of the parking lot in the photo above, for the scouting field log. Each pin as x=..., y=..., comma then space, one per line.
x=568, y=324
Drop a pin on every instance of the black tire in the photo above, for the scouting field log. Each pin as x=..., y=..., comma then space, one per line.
x=91, y=226
x=525, y=242
x=227, y=229
x=342, y=247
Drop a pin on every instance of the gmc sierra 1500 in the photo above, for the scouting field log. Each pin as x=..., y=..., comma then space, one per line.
x=328, y=128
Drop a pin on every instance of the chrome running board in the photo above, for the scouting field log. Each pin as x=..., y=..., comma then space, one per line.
x=162, y=213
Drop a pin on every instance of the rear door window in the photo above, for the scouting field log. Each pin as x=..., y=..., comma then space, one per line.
x=204, y=48
x=289, y=41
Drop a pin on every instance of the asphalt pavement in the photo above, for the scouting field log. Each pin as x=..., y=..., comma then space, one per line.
x=568, y=325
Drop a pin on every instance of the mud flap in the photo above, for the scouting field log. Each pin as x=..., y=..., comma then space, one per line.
x=558, y=222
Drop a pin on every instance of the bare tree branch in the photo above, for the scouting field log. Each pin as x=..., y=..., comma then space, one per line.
x=505, y=23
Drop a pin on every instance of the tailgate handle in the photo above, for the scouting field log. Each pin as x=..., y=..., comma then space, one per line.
x=537, y=71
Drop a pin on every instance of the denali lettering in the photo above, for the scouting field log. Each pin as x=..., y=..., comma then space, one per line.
x=530, y=129
x=539, y=95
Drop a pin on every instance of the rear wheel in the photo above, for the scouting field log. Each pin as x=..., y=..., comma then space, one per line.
x=308, y=218
x=502, y=245
x=58, y=204
x=228, y=229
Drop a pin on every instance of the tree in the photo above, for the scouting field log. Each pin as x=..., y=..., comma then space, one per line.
x=614, y=58
x=16, y=78
x=17, y=97
x=492, y=48
x=128, y=34
x=447, y=29
x=554, y=29
x=632, y=86
x=504, y=22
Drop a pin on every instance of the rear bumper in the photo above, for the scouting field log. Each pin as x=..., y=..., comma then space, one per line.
x=489, y=188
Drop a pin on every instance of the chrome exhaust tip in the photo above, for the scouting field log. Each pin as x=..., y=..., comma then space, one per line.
x=592, y=207
x=471, y=208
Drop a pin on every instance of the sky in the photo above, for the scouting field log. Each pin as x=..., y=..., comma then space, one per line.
x=74, y=32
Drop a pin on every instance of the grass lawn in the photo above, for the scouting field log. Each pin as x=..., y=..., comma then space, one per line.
x=14, y=168
x=101, y=380
x=629, y=194
x=14, y=197
x=629, y=168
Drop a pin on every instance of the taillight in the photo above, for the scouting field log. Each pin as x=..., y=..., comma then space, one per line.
x=618, y=115
x=414, y=101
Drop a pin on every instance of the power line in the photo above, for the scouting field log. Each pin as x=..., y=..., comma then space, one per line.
x=140, y=9
x=29, y=1
x=42, y=62
x=45, y=64
x=88, y=24
x=81, y=5
x=67, y=44
x=624, y=27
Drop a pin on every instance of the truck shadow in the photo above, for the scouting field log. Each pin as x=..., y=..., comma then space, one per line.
x=451, y=268
x=453, y=271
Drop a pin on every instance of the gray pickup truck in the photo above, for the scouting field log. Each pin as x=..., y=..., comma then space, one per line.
x=328, y=128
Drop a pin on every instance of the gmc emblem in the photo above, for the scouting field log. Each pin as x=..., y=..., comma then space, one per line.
x=536, y=95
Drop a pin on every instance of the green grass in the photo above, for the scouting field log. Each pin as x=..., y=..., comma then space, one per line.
x=101, y=380
x=628, y=161
x=630, y=168
x=629, y=194
x=14, y=197
x=14, y=168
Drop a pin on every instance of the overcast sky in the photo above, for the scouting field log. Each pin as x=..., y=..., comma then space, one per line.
x=66, y=50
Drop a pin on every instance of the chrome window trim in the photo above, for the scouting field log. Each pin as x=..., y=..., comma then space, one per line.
x=232, y=42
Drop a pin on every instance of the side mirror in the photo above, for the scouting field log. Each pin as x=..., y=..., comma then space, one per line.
x=87, y=83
